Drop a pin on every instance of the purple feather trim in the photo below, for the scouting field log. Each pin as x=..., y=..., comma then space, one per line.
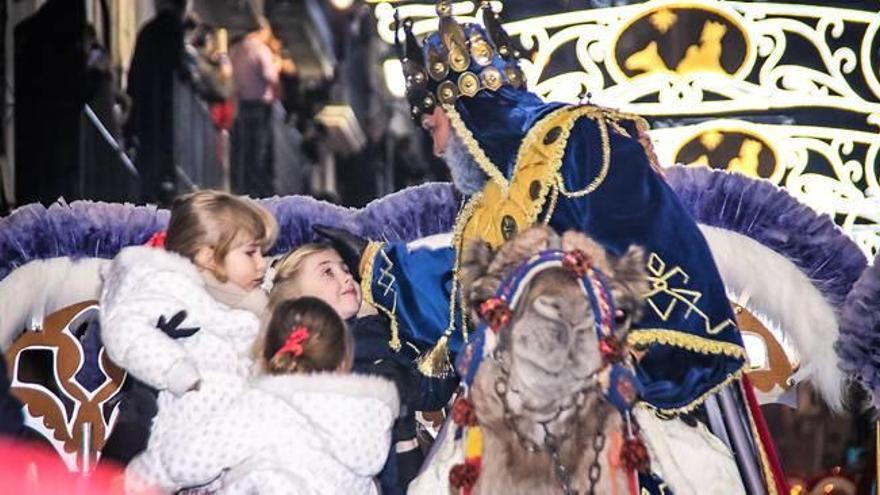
x=768, y=214
x=81, y=229
x=101, y=230
x=858, y=345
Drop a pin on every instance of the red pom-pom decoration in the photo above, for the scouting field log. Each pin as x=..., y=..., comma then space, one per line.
x=634, y=455
x=612, y=349
x=577, y=262
x=157, y=240
x=463, y=476
x=463, y=413
x=495, y=313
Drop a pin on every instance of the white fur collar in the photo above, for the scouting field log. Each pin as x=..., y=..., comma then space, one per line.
x=289, y=386
x=154, y=259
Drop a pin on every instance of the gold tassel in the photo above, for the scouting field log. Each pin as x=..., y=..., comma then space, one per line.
x=435, y=363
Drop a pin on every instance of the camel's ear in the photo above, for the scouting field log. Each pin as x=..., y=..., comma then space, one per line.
x=483, y=270
x=629, y=282
x=526, y=244
x=574, y=240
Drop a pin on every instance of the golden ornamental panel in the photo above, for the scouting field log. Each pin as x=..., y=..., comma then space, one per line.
x=696, y=57
x=835, y=171
x=810, y=74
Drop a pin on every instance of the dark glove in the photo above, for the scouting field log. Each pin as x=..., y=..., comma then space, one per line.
x=350, y=246
x=172, y=327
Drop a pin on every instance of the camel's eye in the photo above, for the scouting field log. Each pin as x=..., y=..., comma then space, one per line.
x=620, y=316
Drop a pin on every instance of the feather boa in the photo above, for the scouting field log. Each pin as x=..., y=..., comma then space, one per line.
x=859, y=342
x=86, y=229
x=771, y=216
x=786, y=263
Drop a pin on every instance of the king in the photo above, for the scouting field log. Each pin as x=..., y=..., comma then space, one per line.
x=519, y=161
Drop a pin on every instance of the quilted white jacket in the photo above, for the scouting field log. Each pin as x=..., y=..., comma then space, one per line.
x=290, y=434
x=144, y=285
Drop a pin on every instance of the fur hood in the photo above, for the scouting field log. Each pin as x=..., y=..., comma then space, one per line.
x=293, y=388
x=149, y=259
x=339, y=409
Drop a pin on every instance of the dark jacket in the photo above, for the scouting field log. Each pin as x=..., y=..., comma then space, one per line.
x=11, y=420
x=417, y=392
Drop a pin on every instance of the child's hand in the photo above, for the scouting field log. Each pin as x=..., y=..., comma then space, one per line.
x=172, y=327
x=183, y=377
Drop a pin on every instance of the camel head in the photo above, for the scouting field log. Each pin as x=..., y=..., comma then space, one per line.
x=550, y=341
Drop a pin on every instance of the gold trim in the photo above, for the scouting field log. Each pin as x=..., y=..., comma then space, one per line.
x=683, y=340
x=769, y=479
x=435, y=363
x=533, y=179
x=535, y=174
x=554, y=197
x=696, y=402
x=368, y=261
x=691, y=343
x=474, y=148
x=603, y=171
x=642, y=128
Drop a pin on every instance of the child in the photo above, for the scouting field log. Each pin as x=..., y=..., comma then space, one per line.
x=317, y=270
x=160, y=321
x=306, y=427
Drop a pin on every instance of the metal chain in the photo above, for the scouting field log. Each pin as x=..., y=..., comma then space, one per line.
x=595, y=471
x=551, y=444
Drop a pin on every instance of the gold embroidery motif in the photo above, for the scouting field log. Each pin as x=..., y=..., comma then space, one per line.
x=519, y=201
x=474, y=148
x=665, y=336
x=661, y=277
x=689, y=407
x=386, y=281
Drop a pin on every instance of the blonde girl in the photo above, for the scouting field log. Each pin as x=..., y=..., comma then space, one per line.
x=168, y=315
x=317, y=270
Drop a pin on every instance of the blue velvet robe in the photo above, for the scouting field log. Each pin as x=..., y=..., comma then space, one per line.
x=688, y=331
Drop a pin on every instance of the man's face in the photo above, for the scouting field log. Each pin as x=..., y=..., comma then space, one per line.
x=437, y=125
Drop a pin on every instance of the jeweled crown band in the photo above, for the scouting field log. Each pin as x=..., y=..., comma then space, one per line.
x=458, y=60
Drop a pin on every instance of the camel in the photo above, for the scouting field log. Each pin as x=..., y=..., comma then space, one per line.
x=551, y=425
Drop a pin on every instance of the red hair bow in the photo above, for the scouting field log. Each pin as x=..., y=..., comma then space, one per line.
x=158, y=240
x=294, y=341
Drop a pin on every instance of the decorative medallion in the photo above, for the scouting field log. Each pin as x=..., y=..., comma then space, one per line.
x=447, y=92
x=458, y=59
x=437, y=68
x=481, y=51
x=508, y=227
x=514, y=75
x=468, y=84
x=428, y=102
x=552, y=135
x=491, y=77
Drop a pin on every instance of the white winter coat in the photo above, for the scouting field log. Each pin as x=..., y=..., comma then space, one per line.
x=142, y=285
x=291, y=434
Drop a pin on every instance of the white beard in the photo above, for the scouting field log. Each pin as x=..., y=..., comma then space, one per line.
x=466, y=173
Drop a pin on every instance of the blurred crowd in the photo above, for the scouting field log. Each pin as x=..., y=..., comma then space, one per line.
x=239, y=80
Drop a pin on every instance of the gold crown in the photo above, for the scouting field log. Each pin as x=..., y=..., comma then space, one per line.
x=457, y=60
